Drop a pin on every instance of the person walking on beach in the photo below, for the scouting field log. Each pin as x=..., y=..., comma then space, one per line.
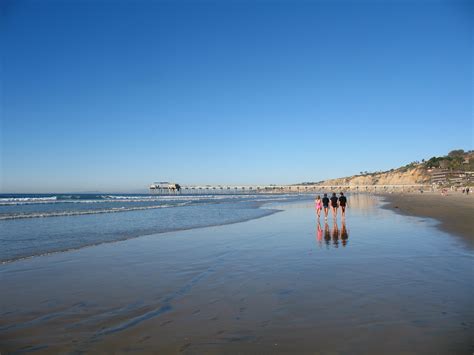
x=343, y=204
x=319, y=205
x=326, y=205
x=334, y=204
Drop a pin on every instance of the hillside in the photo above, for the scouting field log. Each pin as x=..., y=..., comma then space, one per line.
x=413, y=173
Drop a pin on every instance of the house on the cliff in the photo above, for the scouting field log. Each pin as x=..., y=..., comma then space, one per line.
x=445, y=176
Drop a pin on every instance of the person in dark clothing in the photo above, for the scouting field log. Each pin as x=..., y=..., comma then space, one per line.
x=326, y=205
x=334, y=204
x=343, y=204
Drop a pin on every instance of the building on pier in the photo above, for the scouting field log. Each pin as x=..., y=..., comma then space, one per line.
x=164, y=187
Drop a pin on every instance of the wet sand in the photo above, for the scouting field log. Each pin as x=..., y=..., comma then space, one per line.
x=455, y=212
x=393, y=284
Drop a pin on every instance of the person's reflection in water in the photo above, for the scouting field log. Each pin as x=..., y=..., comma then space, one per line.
x=344, y=234
x=319, y=234
x=335, y=234
x=327, y=233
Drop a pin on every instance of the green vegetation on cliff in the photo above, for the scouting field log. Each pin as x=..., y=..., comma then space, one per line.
x=414, y=172
x=455, y=160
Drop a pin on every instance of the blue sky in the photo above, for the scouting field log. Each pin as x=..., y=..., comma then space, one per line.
x=113, y=95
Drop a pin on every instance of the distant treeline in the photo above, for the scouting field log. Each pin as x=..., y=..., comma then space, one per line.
x=455, y=160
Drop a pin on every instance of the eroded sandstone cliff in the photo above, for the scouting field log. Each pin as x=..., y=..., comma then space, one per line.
x=416, y=175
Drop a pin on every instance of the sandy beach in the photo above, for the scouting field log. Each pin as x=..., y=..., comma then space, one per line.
x=455, y=212
x=393, y=284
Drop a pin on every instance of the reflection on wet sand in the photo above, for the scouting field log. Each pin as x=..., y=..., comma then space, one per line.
x=327, y=233
x=344, y=234
x=319, y=234
x=365, y=203
x=335, y=234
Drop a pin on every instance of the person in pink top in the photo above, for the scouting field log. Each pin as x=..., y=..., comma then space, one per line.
x=318, y=205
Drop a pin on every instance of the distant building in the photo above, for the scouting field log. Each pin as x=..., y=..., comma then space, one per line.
x=439, y=176
x=164, y=187
x=445, y=176
x=444, y=164
x=160, y=185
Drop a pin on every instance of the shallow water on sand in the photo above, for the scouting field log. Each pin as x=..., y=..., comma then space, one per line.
x=392, y=284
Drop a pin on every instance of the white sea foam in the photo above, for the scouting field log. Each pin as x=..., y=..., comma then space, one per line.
x=80, y=213
x=124, y=198
x=5, y=200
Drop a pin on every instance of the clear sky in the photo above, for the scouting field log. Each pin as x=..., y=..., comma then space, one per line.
x=113, y=95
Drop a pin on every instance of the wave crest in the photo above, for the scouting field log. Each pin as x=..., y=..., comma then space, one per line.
x=79, y=213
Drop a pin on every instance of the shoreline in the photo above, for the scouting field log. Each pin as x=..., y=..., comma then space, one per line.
x=270, y=212
x=453, y=212
x=242, y=288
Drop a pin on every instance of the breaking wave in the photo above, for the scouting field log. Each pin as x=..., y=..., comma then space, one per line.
x=78, y=213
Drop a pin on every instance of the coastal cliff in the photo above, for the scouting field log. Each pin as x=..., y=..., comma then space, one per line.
x=410, y=176
x=458, y=163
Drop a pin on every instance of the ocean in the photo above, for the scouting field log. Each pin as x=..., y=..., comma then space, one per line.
x=38, y=224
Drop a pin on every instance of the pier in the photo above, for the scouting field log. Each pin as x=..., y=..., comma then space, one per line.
x=172, y=188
